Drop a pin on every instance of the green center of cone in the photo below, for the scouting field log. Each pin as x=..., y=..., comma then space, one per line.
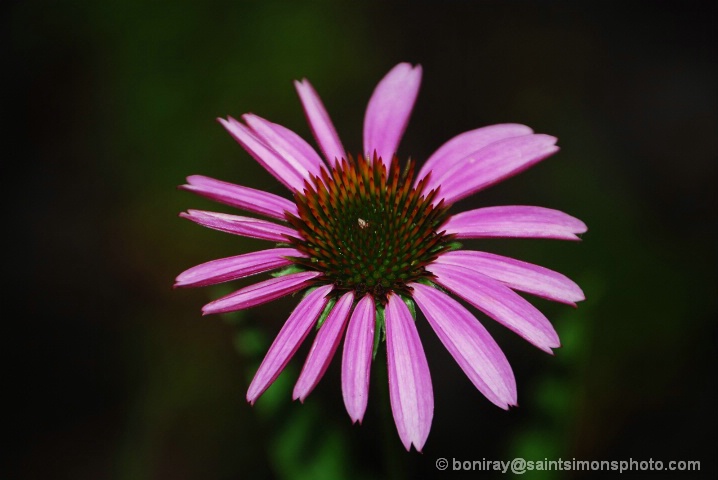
x=366, y=229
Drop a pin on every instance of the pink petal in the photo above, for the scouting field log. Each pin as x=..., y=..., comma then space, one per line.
x=287, y=144
x=260, y=293
x=518, y=275
x=288, y=339
x=356, y=360
x=491, y=164
x=470, y=344
x=284, y=171
x=320, y=123
x=410, y=391
x=323, y=348
x=466, y=144
x=389, y=109
x=516, y=221
x=232, y=268
x=244, y=226
x=237, y=196
x=498, y=302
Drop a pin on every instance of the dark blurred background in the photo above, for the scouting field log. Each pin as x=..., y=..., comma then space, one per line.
x=108, y=106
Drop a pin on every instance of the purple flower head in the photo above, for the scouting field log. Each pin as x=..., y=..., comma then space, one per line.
x=367, y=241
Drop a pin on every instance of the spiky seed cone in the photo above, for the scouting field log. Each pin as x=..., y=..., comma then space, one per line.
x=366, y=229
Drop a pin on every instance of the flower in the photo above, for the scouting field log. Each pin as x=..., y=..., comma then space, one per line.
x=368, y=241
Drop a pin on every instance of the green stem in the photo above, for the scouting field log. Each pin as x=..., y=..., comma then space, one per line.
x=394, y=455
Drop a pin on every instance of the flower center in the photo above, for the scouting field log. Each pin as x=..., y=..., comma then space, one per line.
x=366, y=229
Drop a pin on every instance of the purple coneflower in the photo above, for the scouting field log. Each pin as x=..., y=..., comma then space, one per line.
x=367, y=240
